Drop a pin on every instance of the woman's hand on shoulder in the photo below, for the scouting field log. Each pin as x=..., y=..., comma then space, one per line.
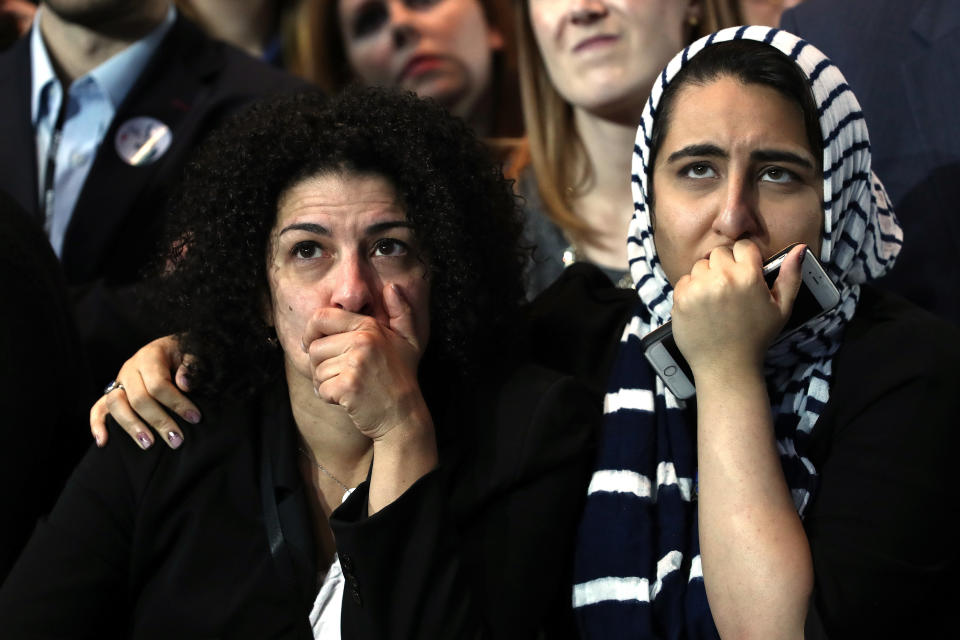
x=725, y=316
x=146, y=393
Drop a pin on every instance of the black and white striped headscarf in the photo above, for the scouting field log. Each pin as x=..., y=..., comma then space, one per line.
x=637, y=568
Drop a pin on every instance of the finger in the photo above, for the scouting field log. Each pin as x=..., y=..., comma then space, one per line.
x=745, y=251
x=329, y=321
x=700, y=268
x=325, y=382
x=120, y=409
x=719, y=257
x=182, y=376
x=98, y=421
x=149, y=411
x=400, y=314
x=323, y=349
x=158, y=386
x=787, y=284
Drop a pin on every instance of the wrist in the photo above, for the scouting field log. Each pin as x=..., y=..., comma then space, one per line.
x=731, y=388
x=401, y=456
x=727, y=369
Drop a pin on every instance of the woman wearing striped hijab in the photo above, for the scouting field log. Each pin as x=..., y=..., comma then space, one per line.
x=801, y=492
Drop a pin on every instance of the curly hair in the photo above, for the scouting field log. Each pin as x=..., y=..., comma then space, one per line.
x=214, y=286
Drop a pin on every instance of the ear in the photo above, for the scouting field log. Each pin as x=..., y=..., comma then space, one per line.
x=495, y=39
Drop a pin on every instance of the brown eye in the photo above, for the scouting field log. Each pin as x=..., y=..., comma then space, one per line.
x=306, y=250
x=698, y=170
x=390, y=248
x=777, y=175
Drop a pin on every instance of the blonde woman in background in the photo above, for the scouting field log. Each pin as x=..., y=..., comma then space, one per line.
x=586, y=69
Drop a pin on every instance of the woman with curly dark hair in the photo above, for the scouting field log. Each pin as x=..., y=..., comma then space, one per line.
x=344, y=274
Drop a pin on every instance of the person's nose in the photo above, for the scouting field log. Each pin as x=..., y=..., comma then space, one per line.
x=353, y=287
x=586, y=12
x=403, y=25
x=738, y=216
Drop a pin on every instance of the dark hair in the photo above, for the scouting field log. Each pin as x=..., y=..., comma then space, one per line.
x=462, y=211
x=750, y=62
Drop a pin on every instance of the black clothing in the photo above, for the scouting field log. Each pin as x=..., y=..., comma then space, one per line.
x=215, y=539
x=881, y=523
x=44, y=381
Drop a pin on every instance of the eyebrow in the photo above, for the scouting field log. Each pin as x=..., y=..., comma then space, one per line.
x=373, y=229
x=697, y=150
x=760, y=155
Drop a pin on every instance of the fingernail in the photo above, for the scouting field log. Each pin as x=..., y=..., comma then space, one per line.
x=98, y=439
x=303, y=346
x=316, y=391
x=144, y=440
x=175, y=439
x=193, y=417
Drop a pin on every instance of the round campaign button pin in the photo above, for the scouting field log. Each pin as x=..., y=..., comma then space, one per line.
x=142, y=140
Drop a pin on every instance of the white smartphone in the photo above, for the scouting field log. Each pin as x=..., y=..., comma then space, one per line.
x=817, y=295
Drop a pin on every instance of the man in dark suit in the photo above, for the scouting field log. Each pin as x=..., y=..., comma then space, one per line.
x=102, y=103
x=901, y=59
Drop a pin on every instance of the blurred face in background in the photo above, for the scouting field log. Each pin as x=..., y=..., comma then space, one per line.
x=441, y=49
x=766, y=12
x=603, y=55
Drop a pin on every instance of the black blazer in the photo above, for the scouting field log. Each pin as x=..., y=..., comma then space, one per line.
x=190, y=84
x=43, y=380
x=214, y=540
x=901, y=59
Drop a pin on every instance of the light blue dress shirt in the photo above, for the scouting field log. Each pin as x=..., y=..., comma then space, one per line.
x=92, y=102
